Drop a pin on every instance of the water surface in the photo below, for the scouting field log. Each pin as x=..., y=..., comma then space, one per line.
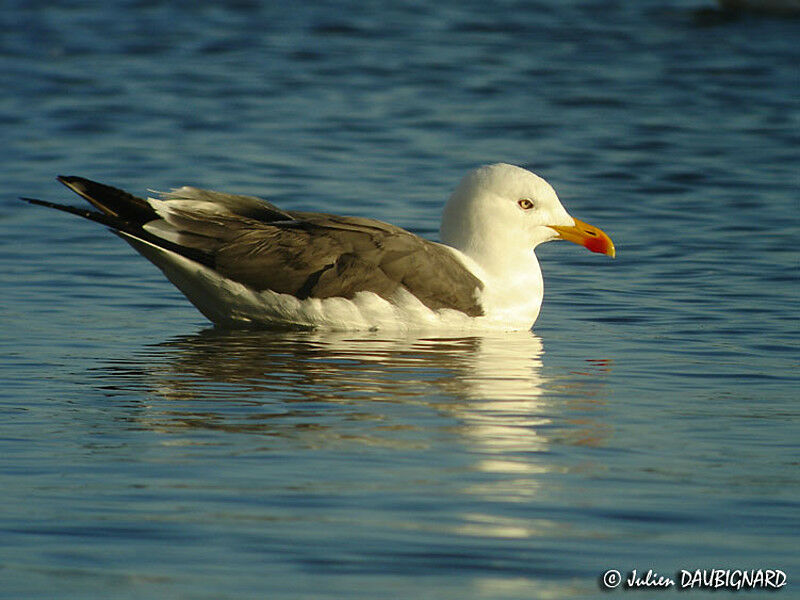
x=648, y=421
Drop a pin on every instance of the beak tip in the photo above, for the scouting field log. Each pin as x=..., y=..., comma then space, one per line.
x=588, y=236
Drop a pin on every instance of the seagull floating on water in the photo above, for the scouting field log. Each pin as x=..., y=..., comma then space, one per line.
x=243, y=261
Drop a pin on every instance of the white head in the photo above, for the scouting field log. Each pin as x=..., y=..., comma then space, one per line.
x=500, y=213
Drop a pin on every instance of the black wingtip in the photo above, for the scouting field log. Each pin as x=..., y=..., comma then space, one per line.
x=110, y=200
x=81, y=212
x=76, y=184
x=70, y=180
x=35, y=201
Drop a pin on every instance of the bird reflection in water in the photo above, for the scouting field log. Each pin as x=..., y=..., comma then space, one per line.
x=325, y=388
x=473, y=421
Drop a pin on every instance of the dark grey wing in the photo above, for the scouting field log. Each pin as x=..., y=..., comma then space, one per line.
x=322, y=256
x=307, y=255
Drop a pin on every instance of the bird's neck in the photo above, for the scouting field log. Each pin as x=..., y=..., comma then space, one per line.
x=513, y=285
x=500, y=254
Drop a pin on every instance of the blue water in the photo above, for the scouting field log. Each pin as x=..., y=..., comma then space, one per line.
x=649, y=421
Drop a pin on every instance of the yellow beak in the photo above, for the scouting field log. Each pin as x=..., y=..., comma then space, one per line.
x=589, y=236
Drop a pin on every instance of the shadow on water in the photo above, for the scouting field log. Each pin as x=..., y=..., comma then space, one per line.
x=344, y=387
x=728, y=11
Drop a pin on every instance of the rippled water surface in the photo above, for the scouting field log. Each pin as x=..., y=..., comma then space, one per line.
x=649, y=420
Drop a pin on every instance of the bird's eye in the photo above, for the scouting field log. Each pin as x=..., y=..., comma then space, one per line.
x=525, y=204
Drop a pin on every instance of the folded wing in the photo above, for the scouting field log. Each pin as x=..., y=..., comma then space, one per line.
x=307, y=255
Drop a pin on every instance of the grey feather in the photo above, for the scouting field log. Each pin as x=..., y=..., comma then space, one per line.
x=245, y=206
x=323, y=256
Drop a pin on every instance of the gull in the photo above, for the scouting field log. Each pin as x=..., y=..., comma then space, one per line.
x=244, y=262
